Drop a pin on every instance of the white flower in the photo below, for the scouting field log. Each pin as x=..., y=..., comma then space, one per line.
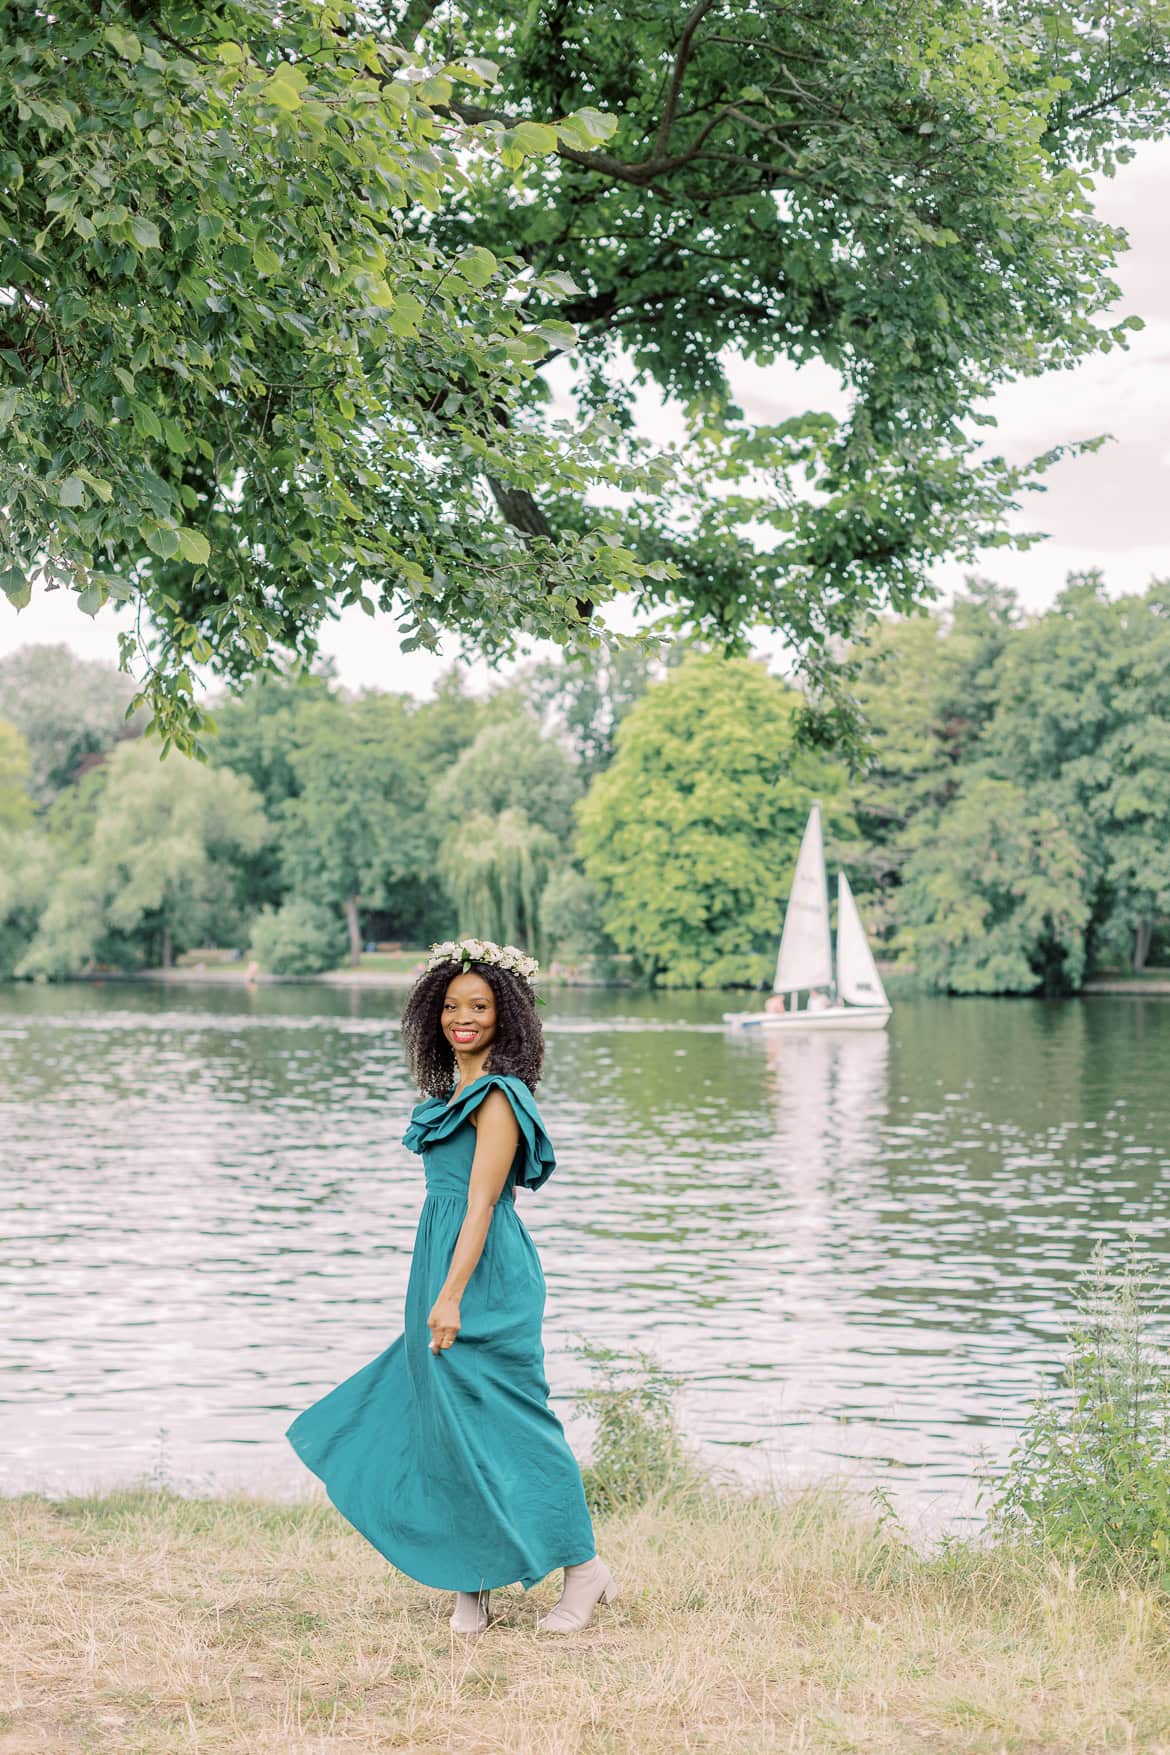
x=484, y=950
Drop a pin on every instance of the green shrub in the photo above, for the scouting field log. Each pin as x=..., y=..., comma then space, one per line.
x=301, y=938
x=570, y=917
x=637, y=1451
x=1090, y=1476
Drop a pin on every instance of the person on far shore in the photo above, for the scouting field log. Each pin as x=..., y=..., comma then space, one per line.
x=449, y=1460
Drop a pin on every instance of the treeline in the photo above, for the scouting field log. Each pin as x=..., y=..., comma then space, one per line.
x=322, y=820
x=1008, y=827
x=1014, y=828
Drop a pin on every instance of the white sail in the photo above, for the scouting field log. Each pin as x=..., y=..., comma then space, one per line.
x=858, y=982
x=806, y=951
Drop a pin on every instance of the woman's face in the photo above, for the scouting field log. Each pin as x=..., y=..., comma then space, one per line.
x=469, y=1013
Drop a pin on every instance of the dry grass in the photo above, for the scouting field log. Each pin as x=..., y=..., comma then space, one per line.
x=143, y=1622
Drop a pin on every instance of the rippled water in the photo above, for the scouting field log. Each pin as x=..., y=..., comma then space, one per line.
x=860, y=1251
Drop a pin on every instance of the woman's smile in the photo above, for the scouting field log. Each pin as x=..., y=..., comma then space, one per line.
x=468, y=1019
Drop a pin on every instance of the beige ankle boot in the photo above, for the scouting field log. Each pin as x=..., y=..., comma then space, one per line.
x=586, y=1585
x=472, y=1611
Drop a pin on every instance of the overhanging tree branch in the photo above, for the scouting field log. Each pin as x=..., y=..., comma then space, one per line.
x=686, y=44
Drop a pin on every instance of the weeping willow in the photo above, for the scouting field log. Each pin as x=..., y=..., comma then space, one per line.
x=494, y=869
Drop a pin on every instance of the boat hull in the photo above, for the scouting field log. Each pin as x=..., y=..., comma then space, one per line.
x=837, y=1017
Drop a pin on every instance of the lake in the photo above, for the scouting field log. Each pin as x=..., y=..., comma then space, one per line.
x=860, y=1252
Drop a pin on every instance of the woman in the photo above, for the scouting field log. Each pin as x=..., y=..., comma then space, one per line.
x=443, y=1451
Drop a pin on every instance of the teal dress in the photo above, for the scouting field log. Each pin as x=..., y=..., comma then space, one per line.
x=452, y=1464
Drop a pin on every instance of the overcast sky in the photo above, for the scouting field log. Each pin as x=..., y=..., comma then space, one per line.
x=1109, y=509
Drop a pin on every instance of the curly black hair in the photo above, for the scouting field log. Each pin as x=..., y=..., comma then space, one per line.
x=517, y=1047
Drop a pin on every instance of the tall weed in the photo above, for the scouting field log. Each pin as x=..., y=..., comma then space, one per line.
x=638, y=1454
x=1090, y=1476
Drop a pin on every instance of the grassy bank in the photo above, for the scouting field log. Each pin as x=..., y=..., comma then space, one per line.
x=143, y=1622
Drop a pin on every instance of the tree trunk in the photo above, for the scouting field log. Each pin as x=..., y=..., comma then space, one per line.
x=1141, y=943
x=355, y=931
x=167, y=948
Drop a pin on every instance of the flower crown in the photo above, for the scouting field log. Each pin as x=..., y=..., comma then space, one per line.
x=484, y=950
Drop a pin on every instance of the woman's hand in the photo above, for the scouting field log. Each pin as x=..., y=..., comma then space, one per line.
x=443, y=1322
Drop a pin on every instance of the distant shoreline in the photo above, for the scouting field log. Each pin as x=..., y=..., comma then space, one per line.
x=1127, y=984
x=233, y=975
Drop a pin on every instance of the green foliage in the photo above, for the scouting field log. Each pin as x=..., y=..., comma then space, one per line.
x=1083, y=716
x=892, y=187
x=505, y=815
x=16, y=806
x=994, y=896
x=442, y=727
x=28, y=871
x=1006, y=830
x=256, y=734
x=511, y=767
x=570, y=918
x=926, y=689
x=241, y=385
x=277, y=289
x=638, y=1453
x=354, y=832
x=1012, y=814
x=71, y=819
x=301, y=938
x=692, y=833
x=70, y=710
x=494, y=868
x=587, y=695
x=1090, y=1476
x=158, y=876
x=257, y=731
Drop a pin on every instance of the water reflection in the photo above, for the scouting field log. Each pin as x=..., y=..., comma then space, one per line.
x=859, y=1250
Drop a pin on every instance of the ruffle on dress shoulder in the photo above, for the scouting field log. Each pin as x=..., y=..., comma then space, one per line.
x=433, y=1120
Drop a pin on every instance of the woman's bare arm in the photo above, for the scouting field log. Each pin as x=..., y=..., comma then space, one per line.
x=497, y=1134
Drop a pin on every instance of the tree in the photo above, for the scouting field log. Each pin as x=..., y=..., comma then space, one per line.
x=240, y=387
x=1065, y=715
x=511, y=767
x=995, y=895
x=256, y=731
x=356, y=831
x=495, y=869
x=894, y=187
x=926, y=688
x=443, y=727
x=256, y=735
x=70, y=710
x=16, y=810
x=570, y=917
x=71, y=819
x=302, y=938
x=692, y=834
x=28, y=870
x=1083, y=718
x=161, y=872
x=586, y=695
x=276, y=288
x=506, y=813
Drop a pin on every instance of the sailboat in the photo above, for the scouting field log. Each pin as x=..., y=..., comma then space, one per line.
x=856, y=1000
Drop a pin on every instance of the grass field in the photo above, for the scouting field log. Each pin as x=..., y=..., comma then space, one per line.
x=144, y=1623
